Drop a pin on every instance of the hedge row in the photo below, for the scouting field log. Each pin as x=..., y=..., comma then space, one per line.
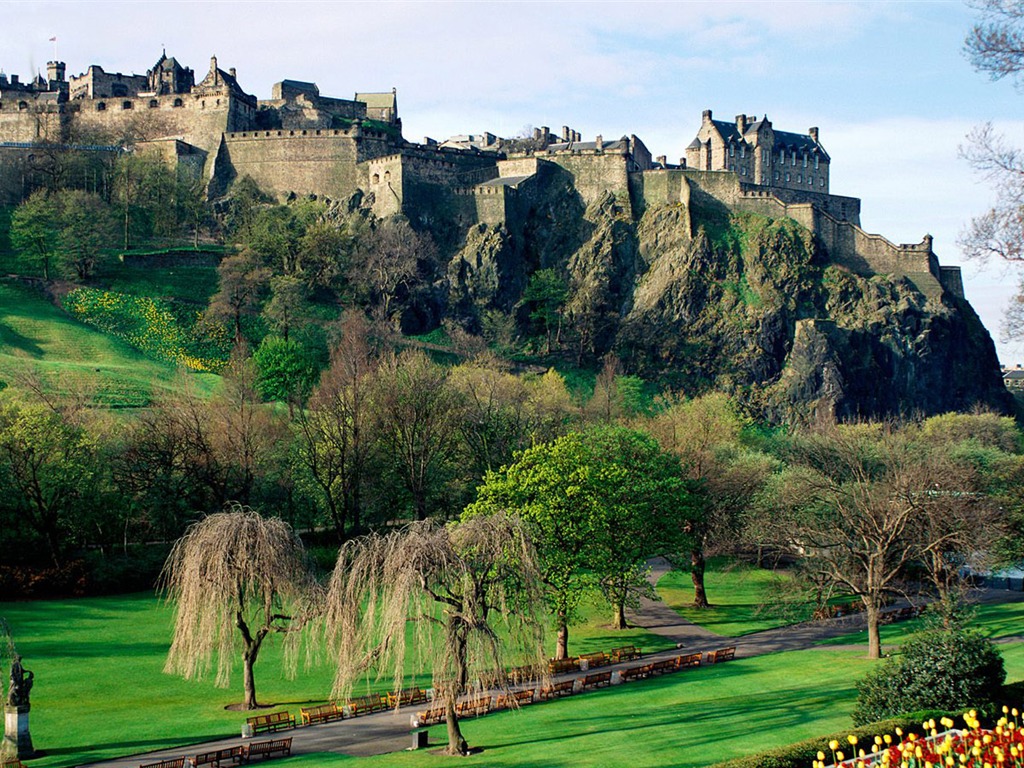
x=801, y=754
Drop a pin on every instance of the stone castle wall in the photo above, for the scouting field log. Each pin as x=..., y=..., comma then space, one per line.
x=593, y=174
x=304, y=162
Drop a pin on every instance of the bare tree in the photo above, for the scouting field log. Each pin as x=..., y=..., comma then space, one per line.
x=242, y=281
x=471, y=593
x=387, y=260
x=234, y=570
x=335, y=431
x=417, y=413
x=995, y=46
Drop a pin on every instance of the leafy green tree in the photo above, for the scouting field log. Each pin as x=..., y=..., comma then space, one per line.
x=597, y=504
x=284, y=370
x=86, y=231
x=49, y=471
x=544, y=301
x=35, y=230
x=706, y=434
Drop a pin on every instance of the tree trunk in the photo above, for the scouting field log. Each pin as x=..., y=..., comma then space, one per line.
x=248, y=660
x=619, y=620
x=697, y=566
x=874, y=636
x=562, y=646
x=456, y=743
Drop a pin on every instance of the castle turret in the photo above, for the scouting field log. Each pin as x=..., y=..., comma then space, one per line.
x=55, y=71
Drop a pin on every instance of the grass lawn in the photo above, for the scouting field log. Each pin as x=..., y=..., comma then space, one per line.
x=192, y=283
x=35, y=335
x=738, y=593
x=100, y=692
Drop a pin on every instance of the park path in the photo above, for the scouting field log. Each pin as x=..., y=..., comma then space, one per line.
x=390, y=731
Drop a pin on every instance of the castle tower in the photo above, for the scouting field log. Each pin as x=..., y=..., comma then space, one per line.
x=55, y=72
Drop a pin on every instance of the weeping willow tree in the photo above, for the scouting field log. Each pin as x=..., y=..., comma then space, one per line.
x=471, y=591
x=235, y=577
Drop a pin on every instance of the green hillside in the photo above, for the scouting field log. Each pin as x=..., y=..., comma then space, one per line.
x=37, y=337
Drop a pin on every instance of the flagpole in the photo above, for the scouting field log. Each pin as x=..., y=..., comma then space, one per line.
x=54, y=41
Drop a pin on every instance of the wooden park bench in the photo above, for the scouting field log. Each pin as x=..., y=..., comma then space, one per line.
x=324, y=713
x=478, y=706
x=688, y=660
x=597, y=679
x=625, y=653
x=514, y=699
x=364, y=705
x=559, y=666
x=722, y=654
x=219, y=757
x=562, y=688
x=599, y=659
x=282, y=747
x=431, y=716
x=663, y=666
x=276, y=721
x=173, y=762
x=524, y=674
x=636, y=673
x=407, y=697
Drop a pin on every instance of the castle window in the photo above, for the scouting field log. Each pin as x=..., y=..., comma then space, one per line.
x=787, y=175
x=794, y=158
x=22, y=105
x=782, y=157
x=799, y=179
x=805, y=159
x=101, y=107
x=177, y=103
x=776, y=175
x=810, y=181
x=732, y=151
x=387, y=175
x=815, y=162
x=743, y=150
x=376, y=178
x=743, y=171
x=765, y=156
x=126, y=105
x=153, y=104
x=821, y=182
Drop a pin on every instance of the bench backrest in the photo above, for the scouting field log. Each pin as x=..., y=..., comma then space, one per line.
x=217, y=755
x=177, y=762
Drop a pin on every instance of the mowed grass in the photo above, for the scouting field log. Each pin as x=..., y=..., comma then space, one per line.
x=36, y=336
x=100, y=692
x=191, y=283
x=743, y=598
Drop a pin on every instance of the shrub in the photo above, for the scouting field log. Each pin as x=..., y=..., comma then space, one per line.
x=939, y=669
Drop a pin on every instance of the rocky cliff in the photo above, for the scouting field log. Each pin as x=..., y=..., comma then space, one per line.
x=702, y=298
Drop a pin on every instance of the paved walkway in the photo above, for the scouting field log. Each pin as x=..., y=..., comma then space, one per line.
x=390, y=731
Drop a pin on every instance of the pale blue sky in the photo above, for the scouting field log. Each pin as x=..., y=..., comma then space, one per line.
x=886, y=82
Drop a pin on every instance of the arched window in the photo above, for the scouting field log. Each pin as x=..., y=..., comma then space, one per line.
x=126, y=105
x=153, y=103
x=101, y=107
x=387, y=175
x=376, y=178
x=177, y=102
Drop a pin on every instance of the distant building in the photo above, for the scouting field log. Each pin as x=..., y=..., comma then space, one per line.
x=759, y=154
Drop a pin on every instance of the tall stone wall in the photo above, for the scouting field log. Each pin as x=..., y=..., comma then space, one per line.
x=27, y=119
x=658, y=188
x=304, y=162
x=594, y=173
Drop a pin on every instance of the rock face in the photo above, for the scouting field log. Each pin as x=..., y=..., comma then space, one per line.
x=703, y=298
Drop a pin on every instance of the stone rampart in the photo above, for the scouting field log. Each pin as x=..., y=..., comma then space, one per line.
x=651, y=189
x=595, y=173
x=304, y=162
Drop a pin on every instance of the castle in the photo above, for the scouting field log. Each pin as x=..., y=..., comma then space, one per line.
x=301, y=143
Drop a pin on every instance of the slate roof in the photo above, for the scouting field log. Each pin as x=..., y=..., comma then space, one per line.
x=505, y=181
x=622, y=143
x=801, y=142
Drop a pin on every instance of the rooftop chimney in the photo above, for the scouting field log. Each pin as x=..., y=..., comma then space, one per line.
x=741, y=124
x=813, y=133
x=706, y=116
x=232, y=73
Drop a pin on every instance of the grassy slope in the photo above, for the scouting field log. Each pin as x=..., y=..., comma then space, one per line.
x=35, y=335
x=101, y=692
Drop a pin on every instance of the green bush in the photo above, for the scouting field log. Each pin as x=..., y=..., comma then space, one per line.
x=938, y=669
x=801, y=754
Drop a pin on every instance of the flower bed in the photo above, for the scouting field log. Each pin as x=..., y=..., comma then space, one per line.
x=150, y=326
x=972, y=747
